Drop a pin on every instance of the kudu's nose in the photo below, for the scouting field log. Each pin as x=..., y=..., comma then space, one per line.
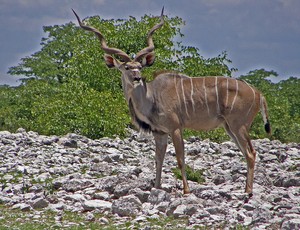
x=136, y=74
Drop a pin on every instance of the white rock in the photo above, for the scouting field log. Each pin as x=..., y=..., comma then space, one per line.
x=89, y=205
x=80, y=174
x=291, y=224
x=101, y=195
x=179, y=211
x=75, y=197
x=22, y=207
x=157, y=195
x=127, y=206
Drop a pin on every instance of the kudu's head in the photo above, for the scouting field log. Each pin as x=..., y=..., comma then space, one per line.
x=131, y=69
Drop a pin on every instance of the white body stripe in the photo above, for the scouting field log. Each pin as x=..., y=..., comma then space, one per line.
x=178, y=96
x=253, y=102
x=183, y=96
x=192, y=95
x=227, y=93
x=236, y=93
x=205, y=95
x=217, y=95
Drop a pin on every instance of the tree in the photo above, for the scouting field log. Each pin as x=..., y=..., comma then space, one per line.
x=51, y=108
x=283, y=102
x=71, y=53
x=70, y=88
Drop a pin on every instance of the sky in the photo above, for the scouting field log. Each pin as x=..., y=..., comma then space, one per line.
x=255, y=34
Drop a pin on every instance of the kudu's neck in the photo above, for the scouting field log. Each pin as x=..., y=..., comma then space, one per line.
x=139, y=94
x=141, y=104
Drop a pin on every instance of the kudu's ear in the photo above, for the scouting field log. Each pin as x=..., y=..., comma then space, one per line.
x=148, y=59
x=111, y=62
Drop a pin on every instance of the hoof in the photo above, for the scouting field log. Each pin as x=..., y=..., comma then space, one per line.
x=186, y=192
x=248, y=197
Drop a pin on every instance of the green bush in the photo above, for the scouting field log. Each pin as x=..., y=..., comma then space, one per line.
x=62, y=108
x=283, y=105
x=71, y=90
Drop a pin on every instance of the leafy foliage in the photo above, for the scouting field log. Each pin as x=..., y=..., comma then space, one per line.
x=283, y=105
x=51, y=108
x=68, y=88
x=191, y=174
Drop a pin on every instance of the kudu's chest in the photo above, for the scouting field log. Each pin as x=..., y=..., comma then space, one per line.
x=146, y=115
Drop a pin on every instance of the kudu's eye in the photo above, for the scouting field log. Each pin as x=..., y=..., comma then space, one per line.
x=126, y=67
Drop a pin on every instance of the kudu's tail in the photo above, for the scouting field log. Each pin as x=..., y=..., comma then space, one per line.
x=264, y=112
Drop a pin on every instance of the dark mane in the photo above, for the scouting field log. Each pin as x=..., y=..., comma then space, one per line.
x=141, y=125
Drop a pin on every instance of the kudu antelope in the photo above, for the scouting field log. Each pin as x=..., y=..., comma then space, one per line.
x=173, y=101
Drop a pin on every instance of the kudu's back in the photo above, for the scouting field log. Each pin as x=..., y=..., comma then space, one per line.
x=204, y=103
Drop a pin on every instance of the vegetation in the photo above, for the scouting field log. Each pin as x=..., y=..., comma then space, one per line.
x=191, y=174
x=68, y=88
x=37, y=220
x=283, y=105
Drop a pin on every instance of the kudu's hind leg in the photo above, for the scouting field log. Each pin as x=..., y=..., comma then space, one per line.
x=241, y=138
x=161, y=142
x=179, y=149
x=250, y=157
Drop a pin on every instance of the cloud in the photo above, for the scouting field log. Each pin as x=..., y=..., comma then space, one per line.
x=6, y=79
x=219, y=4
x=254, y=33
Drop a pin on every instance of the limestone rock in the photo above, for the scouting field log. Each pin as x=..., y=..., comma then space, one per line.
x=127, y=206
x=115, y=177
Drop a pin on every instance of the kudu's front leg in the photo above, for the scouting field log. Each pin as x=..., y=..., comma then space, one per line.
x=179, y=149
x=161, y=142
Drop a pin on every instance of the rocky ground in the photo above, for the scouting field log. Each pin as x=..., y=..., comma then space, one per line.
x=115, y=177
